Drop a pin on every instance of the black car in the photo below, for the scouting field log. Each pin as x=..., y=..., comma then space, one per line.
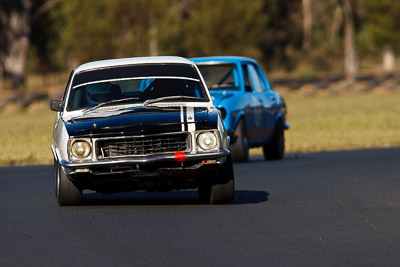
x=139, y=124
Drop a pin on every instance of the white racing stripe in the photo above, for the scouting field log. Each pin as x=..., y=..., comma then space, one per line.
x=191, y=125
x=182, y=119
x=190, y=119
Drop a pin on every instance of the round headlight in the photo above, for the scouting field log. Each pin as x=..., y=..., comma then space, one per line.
x=207, y=140
x=81, y=149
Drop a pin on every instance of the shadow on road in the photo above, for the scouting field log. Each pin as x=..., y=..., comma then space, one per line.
x=250, y=197
x=169, y=198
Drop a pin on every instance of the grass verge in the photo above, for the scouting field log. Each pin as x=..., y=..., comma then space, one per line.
x=26, y=135
x=344, y=121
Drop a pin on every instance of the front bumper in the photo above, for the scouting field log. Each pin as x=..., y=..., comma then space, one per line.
x=152, y=173
x=146, y=160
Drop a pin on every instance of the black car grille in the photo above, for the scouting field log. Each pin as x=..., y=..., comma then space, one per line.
x=142, y=145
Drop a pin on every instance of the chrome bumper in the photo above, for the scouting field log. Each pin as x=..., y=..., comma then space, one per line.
x=144, y=160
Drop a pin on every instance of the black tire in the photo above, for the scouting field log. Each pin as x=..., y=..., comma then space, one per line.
x=66, y=191
x=275, y=150
x=55, y=164
x=240, y=148
x=221, y=187
x=204, y=189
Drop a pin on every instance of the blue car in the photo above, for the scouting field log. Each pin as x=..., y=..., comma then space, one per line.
x=254, y=115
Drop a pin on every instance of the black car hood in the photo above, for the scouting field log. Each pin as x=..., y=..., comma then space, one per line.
x=136, y=121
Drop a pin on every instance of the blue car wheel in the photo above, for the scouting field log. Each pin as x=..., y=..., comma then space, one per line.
x=276, y=148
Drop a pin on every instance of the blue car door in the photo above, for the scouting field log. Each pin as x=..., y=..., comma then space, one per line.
x=250, y=107
x=264, y=113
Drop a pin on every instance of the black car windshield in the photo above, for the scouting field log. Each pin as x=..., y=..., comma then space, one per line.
x=135, y=84
x=220, y=76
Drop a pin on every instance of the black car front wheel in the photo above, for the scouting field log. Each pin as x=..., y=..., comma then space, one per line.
x=240, y=148
x=66, y=191
x=220, y=187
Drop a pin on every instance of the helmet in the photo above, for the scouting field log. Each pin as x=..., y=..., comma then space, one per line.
x=98, y=93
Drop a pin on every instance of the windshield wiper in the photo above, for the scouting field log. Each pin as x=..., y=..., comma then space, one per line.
x=115, y=101
x=160, y=99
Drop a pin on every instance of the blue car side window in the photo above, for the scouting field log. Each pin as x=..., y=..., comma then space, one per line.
x=247, y=84
x=255, y=80
x=263, y=80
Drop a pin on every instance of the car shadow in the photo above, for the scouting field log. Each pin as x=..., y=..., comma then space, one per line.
x=188, y=197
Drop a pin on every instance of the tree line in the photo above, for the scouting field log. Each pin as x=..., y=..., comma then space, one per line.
x=42, y=36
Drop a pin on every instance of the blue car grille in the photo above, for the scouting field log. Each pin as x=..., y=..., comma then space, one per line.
x=142, y=145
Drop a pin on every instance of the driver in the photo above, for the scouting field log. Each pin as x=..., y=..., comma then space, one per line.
x=98, y=93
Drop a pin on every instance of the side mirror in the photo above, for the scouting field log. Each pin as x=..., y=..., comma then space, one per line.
x=56, y=105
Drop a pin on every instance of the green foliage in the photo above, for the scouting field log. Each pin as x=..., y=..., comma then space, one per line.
x=85, y=33
x=42, y=40
x=97, y=29
x=381, y=24
x=282, y=44
x=75, y=31
x=132, y=22
x=101, y=29
x=225, y=27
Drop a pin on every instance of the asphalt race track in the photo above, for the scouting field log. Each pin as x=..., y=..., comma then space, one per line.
x=334, y=208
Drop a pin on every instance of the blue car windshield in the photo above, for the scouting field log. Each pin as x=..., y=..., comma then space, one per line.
x=220, y=76
x=135, y=86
